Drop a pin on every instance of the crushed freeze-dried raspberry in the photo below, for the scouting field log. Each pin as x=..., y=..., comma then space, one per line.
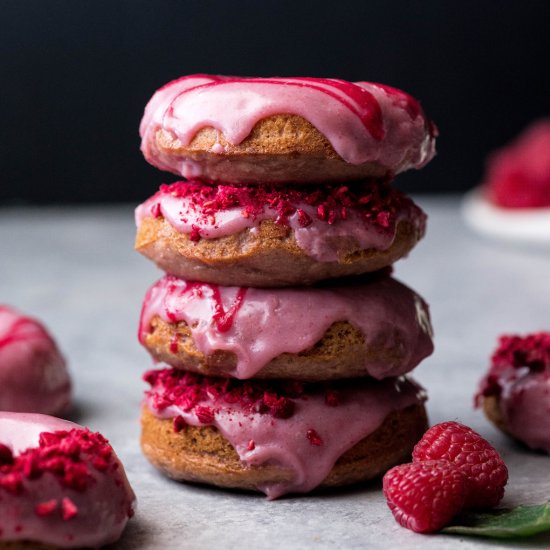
x=477, y=460
x=205, y=415
x=45, y=508
x=179, y=424
x=6, y=456
x=425, y=496
x=314, y=438
x=67, y=455
x=375, y=201
x=68, y=509
x=174, y=343
x=203, y=395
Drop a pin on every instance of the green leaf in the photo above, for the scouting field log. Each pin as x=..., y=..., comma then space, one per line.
x=521, y=521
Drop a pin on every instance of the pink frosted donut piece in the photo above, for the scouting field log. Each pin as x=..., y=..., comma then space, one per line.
x=519, y=378
x=33, y=375
x=60, y=484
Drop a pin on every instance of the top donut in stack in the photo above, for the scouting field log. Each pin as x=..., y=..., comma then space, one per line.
x=287, y=183
x=288, y=178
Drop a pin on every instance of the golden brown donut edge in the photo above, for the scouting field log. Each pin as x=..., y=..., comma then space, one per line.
x=280, y=148
x=203, y=455
x=340, y=353
x=269, y=257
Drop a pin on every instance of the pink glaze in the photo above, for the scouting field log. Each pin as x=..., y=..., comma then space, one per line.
x=368, y=221
x=364, y=122
x=520, y=377
x=268, y=322
x=525, y=405
x=308, y=440
x=518, y=175
x=84, y=502
x=33, y=375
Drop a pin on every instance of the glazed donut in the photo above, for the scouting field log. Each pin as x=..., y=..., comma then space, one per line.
x=245, y=130
x=515, y=393
x=33, y=375
x=278, y=437
x=60, y=484
x=518, y=175
x=266, y=237
x=379, y=328
x=513, y=202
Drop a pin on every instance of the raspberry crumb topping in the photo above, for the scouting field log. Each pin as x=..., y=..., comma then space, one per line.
x=513, y=353
x=68, y=508
x=179, y=424
x=374, y=200
x=314, y=438
x=67, y=455
x=46, y=508
x=205, y=395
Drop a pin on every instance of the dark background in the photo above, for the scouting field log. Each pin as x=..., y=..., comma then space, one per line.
x=75, y=77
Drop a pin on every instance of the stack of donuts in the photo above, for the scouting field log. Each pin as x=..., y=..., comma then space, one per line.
x=286, y=338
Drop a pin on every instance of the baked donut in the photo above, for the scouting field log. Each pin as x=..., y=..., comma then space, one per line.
x=379, y=328
x=33, y=375
x=265, y=236
x=515, y=393
x=518, y=175
x=60, y=484
x=275, y=130
x=278, y=437
x=513, y=201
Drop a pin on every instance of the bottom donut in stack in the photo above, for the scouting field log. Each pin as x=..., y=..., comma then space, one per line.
x=283, y=390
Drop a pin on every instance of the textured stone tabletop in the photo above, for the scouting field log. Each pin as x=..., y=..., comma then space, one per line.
x=75, y=269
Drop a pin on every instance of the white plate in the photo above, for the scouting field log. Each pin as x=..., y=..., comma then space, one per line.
x=520, y=225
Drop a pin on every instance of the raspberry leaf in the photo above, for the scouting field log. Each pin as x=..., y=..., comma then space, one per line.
x=521, y=521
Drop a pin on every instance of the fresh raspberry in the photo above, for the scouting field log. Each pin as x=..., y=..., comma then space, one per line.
x=480, y=463
x=425, y=496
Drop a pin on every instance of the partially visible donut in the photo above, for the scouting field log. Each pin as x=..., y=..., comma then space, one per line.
x=265, y=236
x=278, y=437
x=515, y=393
x=276, y=130
x=60, y=484
x=33, y=374
x=518, y=175
x=377, y=328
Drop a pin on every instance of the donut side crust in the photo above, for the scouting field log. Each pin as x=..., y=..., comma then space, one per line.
x=280, y=148
x=267, y=257
x=492, y=410
x=340, y=353
x=203, y=455
x=25, y=545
